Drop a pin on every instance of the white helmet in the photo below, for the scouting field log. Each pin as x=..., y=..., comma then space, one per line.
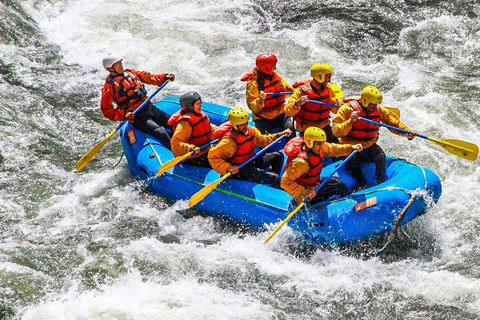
x=110, y=60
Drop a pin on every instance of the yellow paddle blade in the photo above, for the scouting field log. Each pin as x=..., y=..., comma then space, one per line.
x=459, y=148
x=285, y=221
x=336, y=89
x=197, y=197
x=395, y=111
x=93, y=152
x=172, y=163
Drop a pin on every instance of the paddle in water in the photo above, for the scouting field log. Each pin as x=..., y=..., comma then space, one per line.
x=197, y=197
x=96, y=149
x=307, y=198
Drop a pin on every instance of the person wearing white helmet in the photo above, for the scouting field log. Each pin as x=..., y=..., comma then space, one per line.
x=125, y=88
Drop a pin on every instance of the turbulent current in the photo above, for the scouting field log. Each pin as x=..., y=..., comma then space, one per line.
x=95, y=244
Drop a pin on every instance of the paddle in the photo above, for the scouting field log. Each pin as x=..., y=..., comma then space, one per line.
x=172, y=163
x=93, y=152
x=336, y=89
x=393, y=110
x=459, y=148
x=197, y=197
x=306, y=199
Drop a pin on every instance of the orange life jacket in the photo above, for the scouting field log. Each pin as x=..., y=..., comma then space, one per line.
x=128, y=91
x=314, y=113
x=271, y=86
x=293, y=149
x=363, y=130
x=245, y=143
x=201, y=128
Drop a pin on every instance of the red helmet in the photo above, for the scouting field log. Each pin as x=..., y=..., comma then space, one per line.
x=265, y=62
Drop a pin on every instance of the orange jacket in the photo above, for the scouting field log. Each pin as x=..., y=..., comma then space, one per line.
x=295, y=148
x=299, y=166
x=253, y=98
x=342, y=124
x=219, y=155
x=363, y=130
x=181, y=139
x=110, y=94
x=292, y=110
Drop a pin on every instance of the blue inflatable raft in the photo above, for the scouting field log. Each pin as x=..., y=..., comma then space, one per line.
x=409, y=191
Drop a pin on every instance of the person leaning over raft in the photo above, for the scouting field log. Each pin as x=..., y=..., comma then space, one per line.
x=307, y=114
x=237, y=141
x=348, y=126
x=268, y=111
x=192, y=129
x=125, y=88
x=304, y=165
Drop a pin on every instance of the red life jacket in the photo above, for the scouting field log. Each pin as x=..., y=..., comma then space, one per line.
x=271, y=86
x=363, y=130
x=314, y=113
x=274, y=85
x=245, y=143
x=128, y=90
x=293, y=149
x=201, y=129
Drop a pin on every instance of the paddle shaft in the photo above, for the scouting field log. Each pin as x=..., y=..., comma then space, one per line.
x=143, y=104
x=96, y=149
x=331, y=174
x=259, y=153
x=394, y=110
x=392, y=127
x=204, y=146
x=470, y=149
x=307, y=198
x=200, y=195
x=311, y=101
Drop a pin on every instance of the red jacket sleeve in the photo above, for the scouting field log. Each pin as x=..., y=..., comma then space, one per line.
x=106, y=104
x=148, y=78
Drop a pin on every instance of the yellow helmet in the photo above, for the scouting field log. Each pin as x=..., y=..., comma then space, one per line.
x=319, y=70
x=313, y=134
x=238, y=116
x=370, y=94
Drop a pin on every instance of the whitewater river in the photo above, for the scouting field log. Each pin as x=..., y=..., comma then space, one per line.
x=95, y=245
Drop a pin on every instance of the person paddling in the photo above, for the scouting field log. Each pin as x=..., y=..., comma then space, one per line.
x=348, y=126
x=304, y=165
x=125, y=88
x=268, y=111
x=237, y=141
x=307, y=114
x=192, y=129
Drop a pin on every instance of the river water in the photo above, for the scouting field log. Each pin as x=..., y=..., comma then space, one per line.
x=95, y=245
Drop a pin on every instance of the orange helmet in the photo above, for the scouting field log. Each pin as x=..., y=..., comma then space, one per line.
x=265, y=62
